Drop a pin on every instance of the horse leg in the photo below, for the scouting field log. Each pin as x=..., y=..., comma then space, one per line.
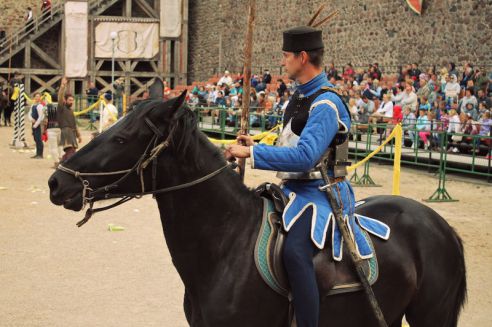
x=442, y=293
x=187, y=307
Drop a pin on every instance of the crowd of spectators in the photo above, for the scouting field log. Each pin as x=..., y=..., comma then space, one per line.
x=424, y=101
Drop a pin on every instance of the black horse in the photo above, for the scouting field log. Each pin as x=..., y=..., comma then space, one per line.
x=211, y=221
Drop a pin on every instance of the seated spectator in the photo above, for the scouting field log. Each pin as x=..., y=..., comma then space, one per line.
x=348, y=73
x=409, y=99
x=366, y=108
x=384, y=112
x=468, y=98
x=397, y=115
x=452, y=89
x=261, y=86
x=220, y=100
x=422, y=121
x=408, y=123
x=482, y=109
x=425, y=127
x=481, y=80
x=226, y=79
x=467, y=76
x=454, y=127
x=482, y=97
x=332, y=72
x=354, y=112
x=376, y=89
x=471, y=111
x=281, y=87
x=424, y=104
x=485, y=125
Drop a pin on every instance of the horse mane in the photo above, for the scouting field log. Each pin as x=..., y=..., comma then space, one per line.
x=189, y=140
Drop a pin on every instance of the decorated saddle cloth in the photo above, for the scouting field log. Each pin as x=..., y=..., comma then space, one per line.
x=305, y=194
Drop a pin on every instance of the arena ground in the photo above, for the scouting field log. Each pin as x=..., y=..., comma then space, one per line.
x=55, y=274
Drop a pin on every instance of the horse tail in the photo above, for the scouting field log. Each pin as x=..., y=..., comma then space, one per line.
x=461, y=290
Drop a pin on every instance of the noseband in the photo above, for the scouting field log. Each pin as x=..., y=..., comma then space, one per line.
x=151, y=154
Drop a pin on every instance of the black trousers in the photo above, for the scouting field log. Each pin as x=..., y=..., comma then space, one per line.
x=298, y=255
x=7, y=114
x=36, y=133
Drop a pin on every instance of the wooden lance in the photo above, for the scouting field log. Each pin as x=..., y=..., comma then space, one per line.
x=248, y=49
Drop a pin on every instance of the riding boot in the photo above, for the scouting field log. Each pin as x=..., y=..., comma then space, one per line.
x=298, y=260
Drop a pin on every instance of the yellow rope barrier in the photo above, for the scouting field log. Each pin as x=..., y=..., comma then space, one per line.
x=397, y=135
x=91, y=107
x=46, y=96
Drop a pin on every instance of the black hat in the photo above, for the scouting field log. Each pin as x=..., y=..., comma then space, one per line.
x=302, y=38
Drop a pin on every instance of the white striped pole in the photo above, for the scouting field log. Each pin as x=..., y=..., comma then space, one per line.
x=16, y=117
x=22, y=115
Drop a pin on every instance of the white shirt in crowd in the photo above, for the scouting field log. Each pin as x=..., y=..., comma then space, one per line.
x=39, y=109
x=386, y=109
x=226, y=79
x=410, y=100
x=452, y=90
x=109, y=116
x=454, y=124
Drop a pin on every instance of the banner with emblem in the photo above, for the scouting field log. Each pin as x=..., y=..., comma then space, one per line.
x=133, y=40
x=415, y=5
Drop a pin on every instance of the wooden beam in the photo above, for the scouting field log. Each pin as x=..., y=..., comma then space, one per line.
x=27, y=64
x=106, y=85
x=122, y=74
x=45, y=85
x=133, y=65
x=184, y=43
x=154, y=66
x=34, y=71
x=128, y=8
x=99, y=63
x=122, y=65
x=44, y=56
x=151, y=12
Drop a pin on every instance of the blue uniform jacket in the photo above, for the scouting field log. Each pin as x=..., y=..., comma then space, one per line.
x=327, y=117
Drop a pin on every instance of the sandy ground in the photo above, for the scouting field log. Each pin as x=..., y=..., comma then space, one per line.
x=55, y=274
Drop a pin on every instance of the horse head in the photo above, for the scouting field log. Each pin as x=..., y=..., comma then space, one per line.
x=120, y=160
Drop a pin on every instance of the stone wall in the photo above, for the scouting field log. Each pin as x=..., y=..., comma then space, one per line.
x=383, y=31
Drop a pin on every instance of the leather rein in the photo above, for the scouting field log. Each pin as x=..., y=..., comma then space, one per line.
x=151, y=154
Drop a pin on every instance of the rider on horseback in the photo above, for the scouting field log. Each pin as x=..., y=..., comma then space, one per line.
x=316, y=123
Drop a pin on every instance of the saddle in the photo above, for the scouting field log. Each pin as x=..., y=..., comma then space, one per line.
x=332, y=277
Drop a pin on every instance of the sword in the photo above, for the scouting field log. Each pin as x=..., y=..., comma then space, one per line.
x=343, y=227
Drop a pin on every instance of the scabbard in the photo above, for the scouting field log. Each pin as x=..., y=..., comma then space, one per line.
x=350, y=242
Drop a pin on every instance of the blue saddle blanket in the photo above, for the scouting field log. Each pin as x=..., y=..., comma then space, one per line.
x=306, y=195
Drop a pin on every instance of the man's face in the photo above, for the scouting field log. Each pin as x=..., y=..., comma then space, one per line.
x=292, y=63
x=69, y=102
x=480, y=93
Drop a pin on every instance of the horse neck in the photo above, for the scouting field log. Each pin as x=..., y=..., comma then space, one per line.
x=208, y=219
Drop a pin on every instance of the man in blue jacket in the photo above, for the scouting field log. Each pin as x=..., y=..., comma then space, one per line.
x=314, y=120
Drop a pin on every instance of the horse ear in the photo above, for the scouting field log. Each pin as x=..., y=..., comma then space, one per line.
x=179, y=101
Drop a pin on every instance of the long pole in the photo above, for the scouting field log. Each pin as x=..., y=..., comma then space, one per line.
x=248, y=50
x=112, y=66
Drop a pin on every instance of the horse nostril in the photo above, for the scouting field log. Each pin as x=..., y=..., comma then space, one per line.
x=52, y=183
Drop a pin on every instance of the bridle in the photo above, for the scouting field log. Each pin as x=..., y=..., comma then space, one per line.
x=151, y=154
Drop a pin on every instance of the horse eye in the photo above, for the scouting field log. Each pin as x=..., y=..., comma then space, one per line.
x=119, y=140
